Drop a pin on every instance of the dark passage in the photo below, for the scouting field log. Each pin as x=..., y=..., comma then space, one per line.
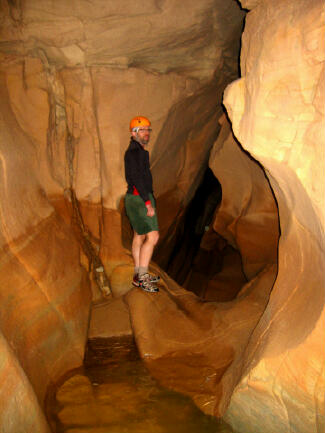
x=199, y=253
x=197, y=217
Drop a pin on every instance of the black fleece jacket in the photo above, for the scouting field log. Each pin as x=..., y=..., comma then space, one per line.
x=137, y=170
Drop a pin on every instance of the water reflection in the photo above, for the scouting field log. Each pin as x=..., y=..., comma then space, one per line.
x=114, y=393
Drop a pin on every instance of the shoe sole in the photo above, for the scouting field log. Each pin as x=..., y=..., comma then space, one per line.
x=153, y=290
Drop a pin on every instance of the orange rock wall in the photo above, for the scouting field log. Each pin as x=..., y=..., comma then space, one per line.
x=107, y=64
x=18, y=403
x=277, y=114
x=72, y=76
x=44, y=292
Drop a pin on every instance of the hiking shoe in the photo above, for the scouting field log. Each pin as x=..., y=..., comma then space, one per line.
x=146, y=284
x=152, y=278
x=135, y=280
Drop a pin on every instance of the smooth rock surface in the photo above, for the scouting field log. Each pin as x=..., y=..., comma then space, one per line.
x=247, y=216
x=85, y=81
x=194, y=346
x=18, y=402
x=110, y=319
x=72, y=76
x=193, y=39
x=44, y=291
x=277, y=114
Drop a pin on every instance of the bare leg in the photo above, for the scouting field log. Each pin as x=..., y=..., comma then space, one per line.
x=147, y=248
x=136, y=247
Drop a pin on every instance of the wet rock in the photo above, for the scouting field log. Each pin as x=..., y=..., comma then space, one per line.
x=110, y=318
x=116, y=393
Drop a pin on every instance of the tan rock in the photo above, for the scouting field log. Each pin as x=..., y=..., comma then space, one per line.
x=247, y=216
x=18, y=402
x=44, y=292
x=275, y=115
x=124, y=92
x=121, y=280
x=191, y=40
x=109, y=319
x=289, y=104
x=89, y=135
x=182, y=150
x=193, y=346
x=73, y=77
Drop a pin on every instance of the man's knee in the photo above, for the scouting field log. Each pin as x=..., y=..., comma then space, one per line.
x=138, y=239
x=153, y=237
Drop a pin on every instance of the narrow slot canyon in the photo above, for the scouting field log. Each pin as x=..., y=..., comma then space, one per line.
x=234, y=340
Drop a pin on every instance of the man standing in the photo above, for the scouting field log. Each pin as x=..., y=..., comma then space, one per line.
x=140, y=203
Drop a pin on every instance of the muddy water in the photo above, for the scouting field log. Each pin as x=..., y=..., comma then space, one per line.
x=114, y=393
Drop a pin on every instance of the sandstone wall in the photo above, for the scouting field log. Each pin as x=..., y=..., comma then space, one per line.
x=247, y=216
x=19, y=407
x=106, y=64
x=73, y=74
x=44, y=292
x=277, y=114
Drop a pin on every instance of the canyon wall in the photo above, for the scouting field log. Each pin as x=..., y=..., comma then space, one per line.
x=262, y=369
x=72, y=76
x=44, y=292
x=106, y=64
x=277, y=114
x=247, y=216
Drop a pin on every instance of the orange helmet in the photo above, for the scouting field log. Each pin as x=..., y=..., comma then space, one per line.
x=138, y=121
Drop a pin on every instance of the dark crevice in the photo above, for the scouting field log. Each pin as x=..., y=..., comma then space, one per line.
x=195, y=222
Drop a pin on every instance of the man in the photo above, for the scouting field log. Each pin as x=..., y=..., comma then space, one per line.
x=140, y=203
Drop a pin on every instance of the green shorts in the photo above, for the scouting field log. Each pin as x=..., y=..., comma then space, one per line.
x=137, y=213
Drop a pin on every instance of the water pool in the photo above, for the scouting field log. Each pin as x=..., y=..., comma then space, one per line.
x=114, y=393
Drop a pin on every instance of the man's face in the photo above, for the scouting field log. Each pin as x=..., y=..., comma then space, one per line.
x=143, y=135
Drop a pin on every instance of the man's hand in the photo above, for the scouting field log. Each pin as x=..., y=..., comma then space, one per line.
x=150, y=210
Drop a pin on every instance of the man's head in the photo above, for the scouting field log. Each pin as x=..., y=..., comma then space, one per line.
x=140, y=129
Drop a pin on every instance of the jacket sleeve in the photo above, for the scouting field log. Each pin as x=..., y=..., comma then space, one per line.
x=134, y=169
